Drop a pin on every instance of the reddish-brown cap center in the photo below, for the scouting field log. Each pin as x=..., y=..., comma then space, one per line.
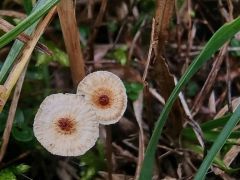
x=103, y=100
x=66, y=125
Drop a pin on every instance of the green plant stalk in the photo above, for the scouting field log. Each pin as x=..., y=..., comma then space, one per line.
x=217, y=40
x=32, y=18
x=27, y=4
x=17, y=46
x=221, y=139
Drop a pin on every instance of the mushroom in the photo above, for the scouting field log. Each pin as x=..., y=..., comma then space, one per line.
x=65, y=125
x=106, y=93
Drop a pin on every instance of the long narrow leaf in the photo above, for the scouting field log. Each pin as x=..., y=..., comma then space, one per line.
x=217, y=40
x=6, y=38
x=217, y=145
x=17, y=46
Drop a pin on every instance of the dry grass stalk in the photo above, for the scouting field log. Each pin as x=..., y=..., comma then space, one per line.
x=138, y=109
x=152, y=43
x=6, y=26
x=109, y=151
x=97, y=23
x=11, y=115
x=208, y=85
x=14, y=14
x=66, y=12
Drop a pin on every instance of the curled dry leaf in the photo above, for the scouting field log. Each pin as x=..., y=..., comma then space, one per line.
x=65, y=125
x=106, y=94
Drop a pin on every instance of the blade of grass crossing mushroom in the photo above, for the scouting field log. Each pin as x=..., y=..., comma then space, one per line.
x=23, y=25
x=217, y=40
x=17, y=46
x=217, y=145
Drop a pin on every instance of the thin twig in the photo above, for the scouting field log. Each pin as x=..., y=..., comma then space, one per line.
x=11, y=115
x=228, y=68
x=178, y=33
x=157, y=95
x=210, y=80
x=149, y=52
x=125, y=20
x=138, y=108
x=134, y=41
x=228, y=81
x=21, y=156
x=230, y=10
x=216, y=66
x=125, y=153
x=96, y=25
x=109, y=150
x=190, y=38
x=223, y=11
x=196, y=128
x=14, y=14
x=90, y=8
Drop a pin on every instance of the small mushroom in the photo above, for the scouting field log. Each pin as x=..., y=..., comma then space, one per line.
x=65, y=125
x=106, y=93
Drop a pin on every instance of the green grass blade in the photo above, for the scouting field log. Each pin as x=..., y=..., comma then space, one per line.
x=216, y=123
x=27, y=4
x=9, y=36
x=221, y=139
x=17, y=46
x=217, y=40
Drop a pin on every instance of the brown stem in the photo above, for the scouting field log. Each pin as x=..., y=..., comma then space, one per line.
x=66, y=12
x=228, y=81
x=12, y=112
x=96, y=25
x=109, y=151
x=203, y=94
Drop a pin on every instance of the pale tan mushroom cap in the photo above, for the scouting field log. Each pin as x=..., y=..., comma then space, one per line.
x=65, y=125
x=107, y=95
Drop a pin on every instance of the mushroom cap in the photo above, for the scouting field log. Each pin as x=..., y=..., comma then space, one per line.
x=65, y=125
x=106, y=93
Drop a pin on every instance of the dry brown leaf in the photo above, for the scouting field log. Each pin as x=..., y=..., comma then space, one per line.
x=164, y=79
